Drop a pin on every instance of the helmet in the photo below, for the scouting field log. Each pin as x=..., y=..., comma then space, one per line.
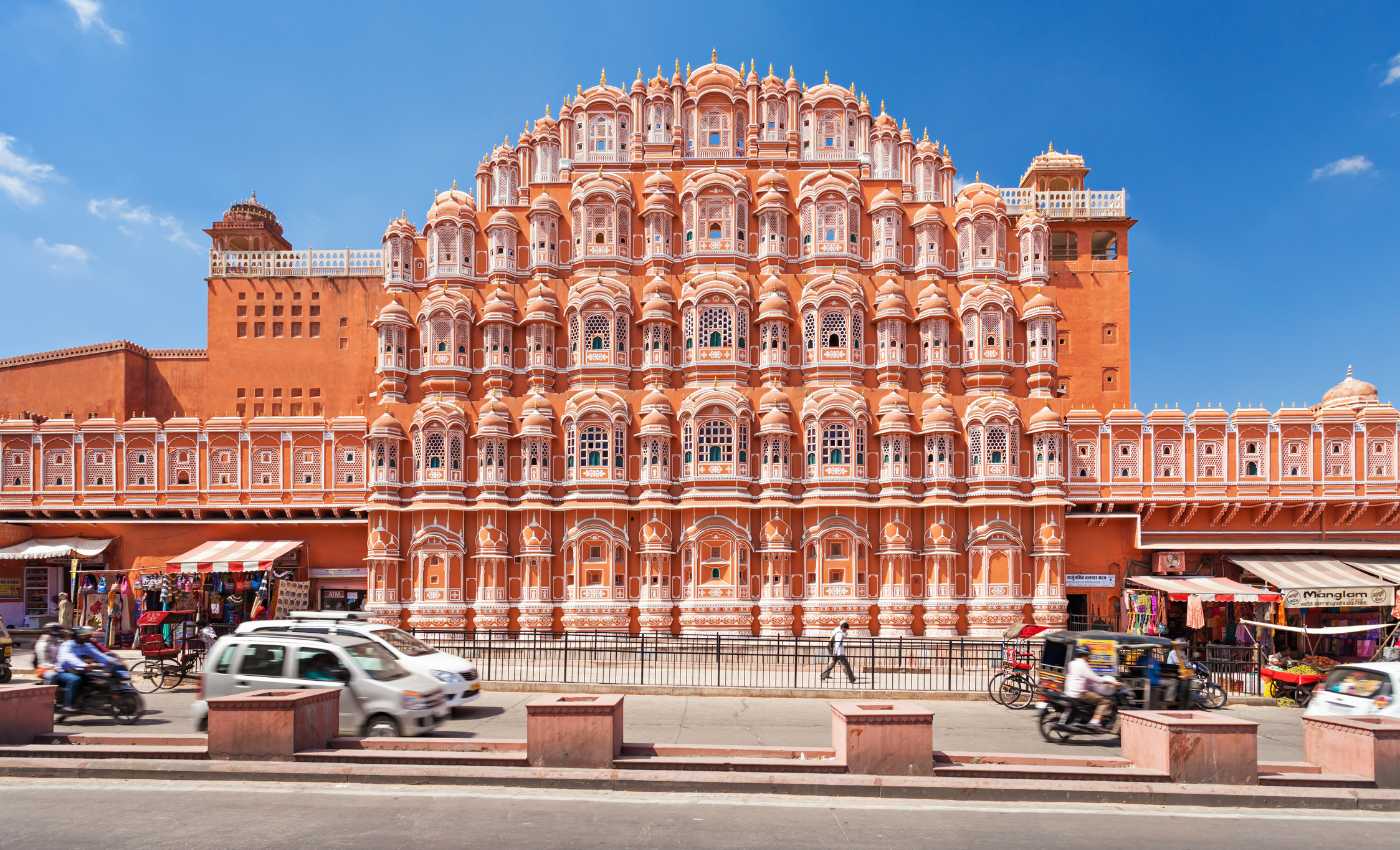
x=84, y=632
x=52, y=628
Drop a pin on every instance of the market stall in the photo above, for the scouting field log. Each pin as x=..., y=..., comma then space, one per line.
x=33, y=573
x=230, y=581
x=1293, y=678
x=1326, y=597
x=1204, y=609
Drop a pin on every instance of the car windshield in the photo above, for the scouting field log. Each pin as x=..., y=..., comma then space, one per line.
x=375, y=661
x=1349, y=681
x=404, y=642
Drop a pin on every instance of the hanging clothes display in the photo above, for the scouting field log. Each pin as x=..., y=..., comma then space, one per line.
x=1195, y=613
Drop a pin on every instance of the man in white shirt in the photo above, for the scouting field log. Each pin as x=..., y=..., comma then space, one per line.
x=836, y=646
x=1080, y=680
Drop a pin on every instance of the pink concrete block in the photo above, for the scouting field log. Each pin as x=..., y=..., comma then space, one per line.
x=1358, y=746
x=272, y=724
x=574, y=730
x=1193, y=746
x=26, y=712
x=882, y=737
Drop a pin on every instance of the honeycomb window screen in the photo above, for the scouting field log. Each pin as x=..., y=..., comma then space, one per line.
x=223, y=466
x=140, y=467
x=596, y=333
x=1251, y=451
x=1380, y=458
x=306, y=466
x=1295, y=459
x=1337, y=459
x=349, y=470
x=834, y=330
x=716, y=327
x=1125, y=459
x=181, y=469
x=98, y=467
x=997, y=451
x=1167, y=463
x=1210, y=459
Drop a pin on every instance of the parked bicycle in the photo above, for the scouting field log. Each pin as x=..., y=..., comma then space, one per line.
x=169, y=652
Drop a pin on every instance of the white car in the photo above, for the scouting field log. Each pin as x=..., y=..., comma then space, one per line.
x=1358, y=690
x=458, y=676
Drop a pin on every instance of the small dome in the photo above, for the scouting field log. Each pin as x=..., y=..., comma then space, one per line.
x=1030, y=218
x=400, y=226
x=503, y=219
x=535, y=536
x=656, y=421
x=657, y=181
x=776, y=419
x=386, y=426
x=453, y=203
x=1350, y=392
x=656, y=399
x=499, y=306
x=543, y=203
x=884, y=198
x=975, y=196
x=885, y=121
x=542, y=305
x=771, y=200
x=394, y=312
x=777, y=533
x=774, y=397
x=937, y=414
x=890, y=303
x=1038, y=301
x=656, y=532
x=1046, y=417
x=657, y=287
x=896, y=533
x=932, y=301
x=937, y=534
x=774, y=307
x=772, y=180
x=927, y=213
x=489, y=538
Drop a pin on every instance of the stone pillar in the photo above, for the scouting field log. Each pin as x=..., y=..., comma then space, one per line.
x=885, y=738
x=1192, y=746
x=273, y=724
x=1358, y=746
x=574, y=730
x=26, y=712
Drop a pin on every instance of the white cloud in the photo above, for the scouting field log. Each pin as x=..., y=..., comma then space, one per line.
x=1347, y=166
x=89, y=14
x=130, y=219
x=1392, y=73
x=63, y=253
x=20, y=176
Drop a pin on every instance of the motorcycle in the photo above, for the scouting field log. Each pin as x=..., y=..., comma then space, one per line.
x=105, y=691
x=1062, y=717
x=1205, y=693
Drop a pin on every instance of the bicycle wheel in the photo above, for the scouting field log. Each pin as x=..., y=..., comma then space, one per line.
x=1017, y=691
x=148, y=676
x=994, y=686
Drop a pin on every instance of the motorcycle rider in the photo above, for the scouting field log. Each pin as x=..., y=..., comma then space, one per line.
x=76, y=657
x=1080, y=680
x=46, y=653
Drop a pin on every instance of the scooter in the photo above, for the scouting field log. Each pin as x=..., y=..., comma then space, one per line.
x=105, y=691
x=1062, y=717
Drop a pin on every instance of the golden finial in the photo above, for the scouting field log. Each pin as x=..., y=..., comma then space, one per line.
x=904, y=123
x=678, y=65
x=687, y=70
x=639, y=73
x=714, y=55
x=1052, y=146
x=526, y=128
x=770, y=69
x=853, y=88
x=882, y=103
x=603, y=77
x=741, y=70
x=753, y=65
x=924, y=138
x=578, y=89
x=454, y=182
x=658, y=71
x=945, y=148
x=826, y=78
x=791, y=73
x=977, y=177
x=546, y=110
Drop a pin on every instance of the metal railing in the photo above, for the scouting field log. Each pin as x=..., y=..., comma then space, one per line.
x=723, y=661
x=1234, y=668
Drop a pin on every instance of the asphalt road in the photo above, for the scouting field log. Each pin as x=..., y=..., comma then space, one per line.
x=189, y=816
x=959, y=726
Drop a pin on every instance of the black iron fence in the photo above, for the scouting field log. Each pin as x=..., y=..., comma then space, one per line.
x=742, y=661
x=723, y=661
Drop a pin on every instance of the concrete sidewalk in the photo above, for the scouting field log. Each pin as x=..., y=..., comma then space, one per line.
x=756, y=721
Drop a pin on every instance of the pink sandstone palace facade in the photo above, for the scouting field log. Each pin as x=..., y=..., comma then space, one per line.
x=710, y=351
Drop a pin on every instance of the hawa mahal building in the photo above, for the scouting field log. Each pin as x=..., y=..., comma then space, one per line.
x=710, y=351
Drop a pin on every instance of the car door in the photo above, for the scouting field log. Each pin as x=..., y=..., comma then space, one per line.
x=261, y=665
x=320, y=667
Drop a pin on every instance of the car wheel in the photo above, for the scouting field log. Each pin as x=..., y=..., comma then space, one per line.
x=381, y=726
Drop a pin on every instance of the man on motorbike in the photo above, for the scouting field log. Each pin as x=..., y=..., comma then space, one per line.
x=75, y=658
x=46, y=653
x=1080, y=680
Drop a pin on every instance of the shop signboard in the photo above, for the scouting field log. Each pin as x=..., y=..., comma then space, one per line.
x=1103, y=655
x=1091, y=580
x=1340, y=597
x=338, y=572
x=10, y=588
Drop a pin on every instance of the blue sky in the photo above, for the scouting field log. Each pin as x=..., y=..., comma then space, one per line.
x=1259, y=143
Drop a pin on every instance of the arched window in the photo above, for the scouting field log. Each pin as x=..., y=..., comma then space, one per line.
x=594, y=447
x=595, y=331
x=716, y=441
x=836, y=443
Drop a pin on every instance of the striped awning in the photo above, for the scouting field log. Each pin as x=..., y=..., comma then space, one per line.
x=1288, y=572
x=1209, y=588
x=231, y=556
x=1387, y=569
x=47, y=548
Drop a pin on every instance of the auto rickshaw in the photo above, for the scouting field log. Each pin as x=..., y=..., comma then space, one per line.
x=1138, y=662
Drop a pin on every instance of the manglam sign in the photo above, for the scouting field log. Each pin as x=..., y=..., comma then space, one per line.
x=1339, y=597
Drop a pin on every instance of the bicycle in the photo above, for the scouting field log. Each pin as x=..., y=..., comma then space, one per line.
x=1015, y=684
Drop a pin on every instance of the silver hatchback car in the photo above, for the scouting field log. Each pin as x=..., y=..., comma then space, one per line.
x=378, y=696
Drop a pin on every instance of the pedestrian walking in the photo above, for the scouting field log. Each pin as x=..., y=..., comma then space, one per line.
x=836, y=648
x=65, y=611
